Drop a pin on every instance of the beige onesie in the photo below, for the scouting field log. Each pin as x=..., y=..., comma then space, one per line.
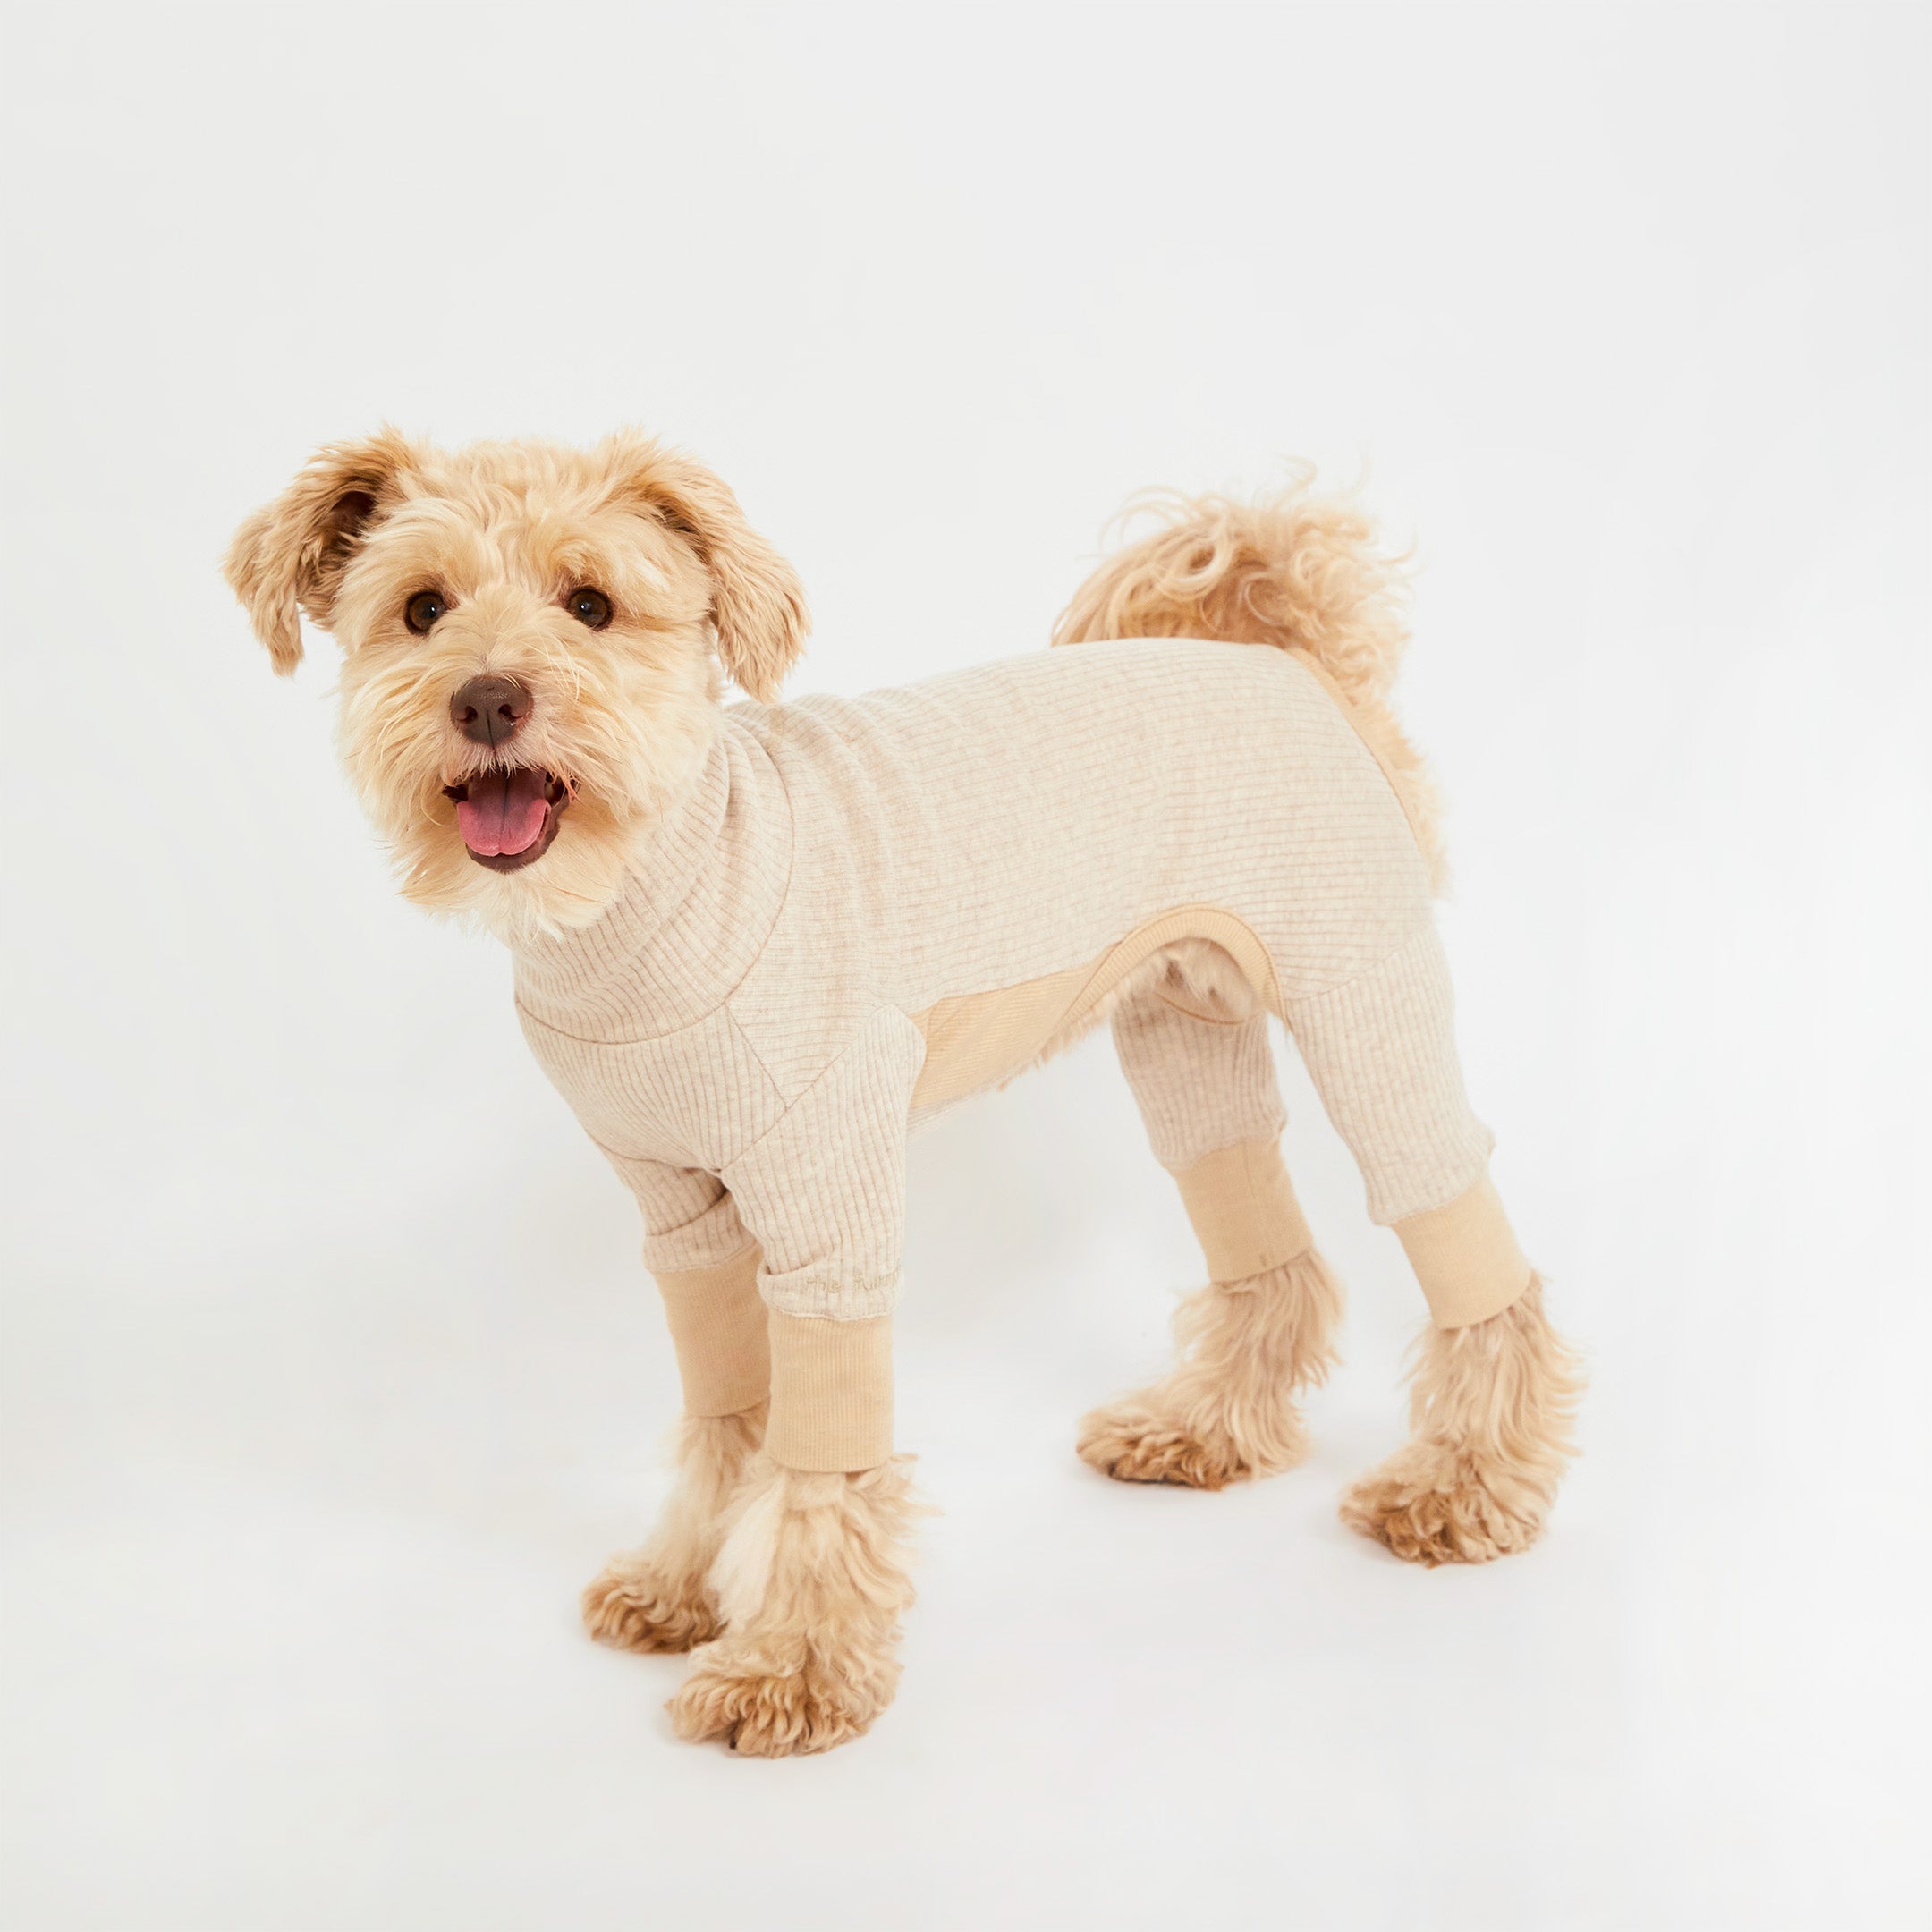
x=867, y=908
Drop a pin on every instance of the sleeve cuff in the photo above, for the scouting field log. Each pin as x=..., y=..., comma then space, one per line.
x=1466, y=1258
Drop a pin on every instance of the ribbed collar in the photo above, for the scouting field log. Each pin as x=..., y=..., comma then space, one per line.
x=701, y=896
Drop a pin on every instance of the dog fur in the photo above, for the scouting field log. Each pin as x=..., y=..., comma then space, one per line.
x=789, y=1587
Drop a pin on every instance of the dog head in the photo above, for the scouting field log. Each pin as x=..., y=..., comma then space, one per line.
x=531, y=637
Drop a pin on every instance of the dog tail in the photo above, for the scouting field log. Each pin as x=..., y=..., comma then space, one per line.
x=1295, y=570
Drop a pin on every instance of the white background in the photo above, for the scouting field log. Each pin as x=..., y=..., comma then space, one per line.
x=331, y=1372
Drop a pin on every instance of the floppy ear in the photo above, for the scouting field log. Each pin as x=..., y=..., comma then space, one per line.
x=293, y=552
x=757, y=605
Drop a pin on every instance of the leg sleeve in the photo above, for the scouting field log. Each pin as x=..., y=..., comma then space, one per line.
x=1200, y=1084
x=706, y=1264
x=1381, y=1051
x=1207, y=1093
x=824, y=1192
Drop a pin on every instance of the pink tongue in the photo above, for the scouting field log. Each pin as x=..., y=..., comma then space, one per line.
x=504, y=811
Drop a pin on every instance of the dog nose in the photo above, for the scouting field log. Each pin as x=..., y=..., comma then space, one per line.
x=488, y=710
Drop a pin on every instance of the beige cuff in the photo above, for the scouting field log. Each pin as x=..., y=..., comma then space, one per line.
x=717, y=1327
x=832, y=1392
x=1243, y=1210
x=1466, y=1258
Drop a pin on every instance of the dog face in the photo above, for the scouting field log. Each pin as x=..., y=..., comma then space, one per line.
x=531, y=637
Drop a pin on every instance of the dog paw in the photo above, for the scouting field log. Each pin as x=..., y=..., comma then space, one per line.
x=1435, y=1506
x=1133, y=1445
x=632, y=1606
x=762, y=1709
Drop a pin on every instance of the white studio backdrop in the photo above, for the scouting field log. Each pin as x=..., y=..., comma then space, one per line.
x=330, y=1369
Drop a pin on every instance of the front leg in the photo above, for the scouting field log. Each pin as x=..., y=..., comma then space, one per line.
x=811, y=1580
x=811, y=1584
x=659, y=1598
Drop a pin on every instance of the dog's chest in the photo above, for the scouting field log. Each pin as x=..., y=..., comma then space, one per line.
x=686, y=1099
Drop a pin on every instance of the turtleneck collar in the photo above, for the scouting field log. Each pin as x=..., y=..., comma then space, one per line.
x=701, y=896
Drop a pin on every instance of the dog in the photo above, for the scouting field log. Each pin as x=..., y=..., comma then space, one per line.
x=756, y=943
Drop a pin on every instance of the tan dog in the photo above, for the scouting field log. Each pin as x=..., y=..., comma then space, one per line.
x=753, y=943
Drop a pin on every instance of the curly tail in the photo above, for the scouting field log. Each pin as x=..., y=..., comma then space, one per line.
x=1296, y=571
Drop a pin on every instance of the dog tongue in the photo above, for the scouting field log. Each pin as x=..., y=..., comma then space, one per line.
x=504, y=810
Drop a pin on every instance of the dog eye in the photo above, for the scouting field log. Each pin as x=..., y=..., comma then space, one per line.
x=423, y=609
x=588, y=607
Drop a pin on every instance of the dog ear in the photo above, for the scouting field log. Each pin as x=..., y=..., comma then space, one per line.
x=758, y=604
x=293, y=552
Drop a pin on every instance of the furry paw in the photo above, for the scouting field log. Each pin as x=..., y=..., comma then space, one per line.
x=1133, y=1445
x=1432, y=1505
x=762, y=1709
x=632, y=1607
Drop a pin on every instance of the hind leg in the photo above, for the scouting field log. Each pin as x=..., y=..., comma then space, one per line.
x=1490, y=1409
x=1228, y=1411
x=1262, y=1329
x=1495, y=1388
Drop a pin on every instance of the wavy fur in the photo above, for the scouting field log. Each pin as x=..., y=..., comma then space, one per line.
x=812, y=1581
x=660, y=1597
x=1227, y=1412
x=1296, y=571
x=624, y=716
x=1491, y=1411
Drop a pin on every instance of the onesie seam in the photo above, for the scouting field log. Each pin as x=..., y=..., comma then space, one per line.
x=1178, y=1007
x=706, y=1267
x=758, y=1059
x=1423, y=926
x=816, y=1081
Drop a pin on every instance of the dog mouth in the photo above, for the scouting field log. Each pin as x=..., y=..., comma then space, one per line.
x=508, y=819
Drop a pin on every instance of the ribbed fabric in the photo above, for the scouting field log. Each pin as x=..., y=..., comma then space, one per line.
x=743, y=1032
x=1200, y=1084
x=1243, y=1210
x=1319, y=672
x=832, y=1405
x=1465, y=1256
x=717, y=1323
x=1381, y=1051
x=825, y=1187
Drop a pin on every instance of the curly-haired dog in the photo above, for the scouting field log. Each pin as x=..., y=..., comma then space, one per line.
x=753, y=944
